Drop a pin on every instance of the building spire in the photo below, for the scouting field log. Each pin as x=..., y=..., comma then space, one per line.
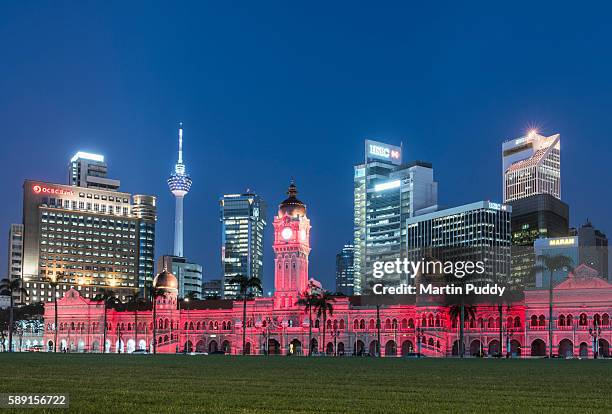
x=180, y=152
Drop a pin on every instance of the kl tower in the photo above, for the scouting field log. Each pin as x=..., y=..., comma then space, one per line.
x=179, y=183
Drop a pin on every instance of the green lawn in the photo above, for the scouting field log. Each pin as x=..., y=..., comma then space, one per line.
x=218, y=384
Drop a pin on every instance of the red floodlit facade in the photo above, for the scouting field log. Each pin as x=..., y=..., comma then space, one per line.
x=276, y=325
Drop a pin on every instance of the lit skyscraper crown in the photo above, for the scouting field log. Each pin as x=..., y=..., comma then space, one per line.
x=179, y=181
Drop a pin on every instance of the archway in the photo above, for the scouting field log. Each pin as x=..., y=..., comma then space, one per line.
x=95, y=347
x=131, y=346
x=295, y=347
x=538, y=348
x=566, y=348
x=604, y=348
x=494, y=349
x=407, y=348
x=50, y=346
x=374, y=348
x=476, y=348
x=247, y=348
x=390, y=348
x=201, y=346
x=329, y=349
x=120, y=346
x=273, y=347
x=515, y=348
x=142, y=345
x=359, y=348
x=226, y=347
x=213, y=346
x=81, y=346
x=340, y=348
x=455, y=351
x=188, y=347
x=584, y=350
x=314, y=346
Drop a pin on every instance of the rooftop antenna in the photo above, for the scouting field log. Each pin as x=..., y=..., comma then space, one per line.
x=180, y=154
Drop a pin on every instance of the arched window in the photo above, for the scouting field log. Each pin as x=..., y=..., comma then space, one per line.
x=534, y=320
x=210, y=326
x=561, y=320
x=430, y=320
x=424, y=321
x=509, y=321
x=394, y=324
x=388, y=324
x=186, y=326
x=317, y=324
x=605, y=319
x=223, y=326
x=362, y=324
x=491, y=322
x=356, y=324
x=341, y=324
x=216, y=325
x=335, y=324
x=229, y=325
x=517, y=322
x=542, y=320
x=497, y=321
x=437, y=320
x=404, y=323
x=329, y=324
x=597, y=319
x=191, y=326
x=372, y=324
x=583, y=320
x=198, y=326
x=480, y=323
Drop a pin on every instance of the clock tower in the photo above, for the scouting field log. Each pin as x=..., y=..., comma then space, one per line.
x=291, y=250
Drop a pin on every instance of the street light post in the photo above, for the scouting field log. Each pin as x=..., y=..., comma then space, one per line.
x=595, y=332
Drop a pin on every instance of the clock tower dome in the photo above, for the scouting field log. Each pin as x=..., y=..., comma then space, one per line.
x=291, y=250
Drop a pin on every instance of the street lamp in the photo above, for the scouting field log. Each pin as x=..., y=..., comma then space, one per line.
x=595, y=332
x=508, y=334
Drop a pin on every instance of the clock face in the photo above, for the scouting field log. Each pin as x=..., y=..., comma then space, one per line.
x=286, y=233
x=303, y=235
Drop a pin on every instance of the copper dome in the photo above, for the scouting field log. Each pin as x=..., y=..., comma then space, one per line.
x=165, y=280
x=292, y=206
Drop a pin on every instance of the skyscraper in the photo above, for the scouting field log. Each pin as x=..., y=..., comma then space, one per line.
x=179, y=183
x=345, y=270
x=15, y=255
x=90, y=171
x=243, y=220
x=593, y=248
x=386, y=193
x=532, y=165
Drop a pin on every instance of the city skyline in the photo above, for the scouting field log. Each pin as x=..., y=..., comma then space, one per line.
x=126, y=106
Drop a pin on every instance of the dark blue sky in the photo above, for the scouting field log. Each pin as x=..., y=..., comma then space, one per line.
x=269, y=91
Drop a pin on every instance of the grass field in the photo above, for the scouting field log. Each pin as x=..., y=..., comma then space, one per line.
x=220, y=384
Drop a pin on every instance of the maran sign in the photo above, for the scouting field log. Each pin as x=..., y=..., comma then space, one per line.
x=380, y=151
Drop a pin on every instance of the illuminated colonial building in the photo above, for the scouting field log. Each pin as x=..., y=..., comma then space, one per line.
x=277, y=325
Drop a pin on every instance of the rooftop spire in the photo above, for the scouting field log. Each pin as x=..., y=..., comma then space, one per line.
x=180, y=154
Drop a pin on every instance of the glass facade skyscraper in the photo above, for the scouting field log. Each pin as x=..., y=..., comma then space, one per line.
x=386, y=193
x=345, y=270
x=243, y=220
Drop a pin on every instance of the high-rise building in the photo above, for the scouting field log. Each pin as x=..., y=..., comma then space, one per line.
x=593, y=248
x=90, y=171
x=386, y=193
x=86, y=238
x=179, y=183
x=345, y=270
x=558, y=246
x=15, y=255
x=212, y=289
x=243, y=220
x=477, y=231
x=532, y=165
x=189, y=275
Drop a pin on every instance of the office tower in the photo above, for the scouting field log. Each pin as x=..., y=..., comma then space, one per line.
x=212, y=289
x=345, y=270
x=90, y=171
x=86, y=238
x=558, y=246
x=478, y=231
x=189, y=275
x=593, y=245
x=532, y=165
x=179, y=183
x=15, y=255
x=145, y=209
x=243, y=220
x=386, y=193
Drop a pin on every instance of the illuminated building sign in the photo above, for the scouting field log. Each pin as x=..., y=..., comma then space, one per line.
x=381, y=151
x=566, y=241
x=387, y=186
x=497, y=206
x=39, y=189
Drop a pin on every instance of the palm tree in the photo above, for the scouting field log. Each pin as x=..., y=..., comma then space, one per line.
x=323, y=306
x=246, y=286
x=155, y=293
x=12, y=287
x=54, y=283
x=552, y=263
x=135, y=299
x=460, y=312
x=107, y=296
x=308, y=301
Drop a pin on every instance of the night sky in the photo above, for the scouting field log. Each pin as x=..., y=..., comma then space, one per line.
x=268, y=91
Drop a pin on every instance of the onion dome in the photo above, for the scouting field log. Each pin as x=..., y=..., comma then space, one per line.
x=165, y=280
x=292, y=206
